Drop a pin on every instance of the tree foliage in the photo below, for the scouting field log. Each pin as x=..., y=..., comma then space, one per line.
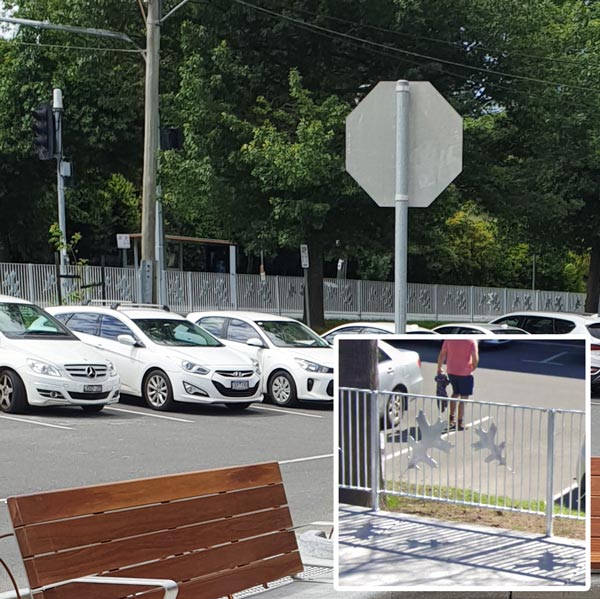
x=262, y=97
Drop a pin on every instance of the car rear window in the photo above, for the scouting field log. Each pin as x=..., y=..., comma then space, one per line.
x=594, y=329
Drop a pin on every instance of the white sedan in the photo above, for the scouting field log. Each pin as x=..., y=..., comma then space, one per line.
x=43, y=364
x=296, y=363
x=165, y=358
x=399, y=370
x=487, y=332
x=373, y=328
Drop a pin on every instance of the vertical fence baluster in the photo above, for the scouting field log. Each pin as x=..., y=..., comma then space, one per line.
x=550, y=473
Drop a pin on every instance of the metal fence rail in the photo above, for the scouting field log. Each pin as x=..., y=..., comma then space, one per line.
x=509, y=457
x=343, y=298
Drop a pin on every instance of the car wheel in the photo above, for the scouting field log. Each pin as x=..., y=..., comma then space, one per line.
x=157, y=390
x=282, y=389
x=238, y=407
x=93, y=408
x=13, y=397
x=394, y=407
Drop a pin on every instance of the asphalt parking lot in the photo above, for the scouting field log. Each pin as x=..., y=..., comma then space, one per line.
x=62, y=447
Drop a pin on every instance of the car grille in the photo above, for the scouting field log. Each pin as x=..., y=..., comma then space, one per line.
x=86, y=371
x=236, y=374
x=90, y=396
x=330, y=389
x=227, y=392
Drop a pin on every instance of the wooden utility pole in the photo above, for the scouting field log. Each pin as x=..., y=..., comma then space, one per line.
x=151, y=141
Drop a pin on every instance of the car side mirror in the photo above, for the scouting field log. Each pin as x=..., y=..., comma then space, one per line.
x=127, y=340
x=255, y=342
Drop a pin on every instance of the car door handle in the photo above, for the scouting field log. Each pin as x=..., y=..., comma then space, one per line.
x=390, y=371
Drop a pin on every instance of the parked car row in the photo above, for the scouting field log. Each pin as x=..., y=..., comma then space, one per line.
x=88, y=355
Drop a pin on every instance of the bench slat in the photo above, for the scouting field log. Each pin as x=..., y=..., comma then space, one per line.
x=88, y=530
x=203, y=564
x=114, y=555
x=595, y=466
x=54, y=505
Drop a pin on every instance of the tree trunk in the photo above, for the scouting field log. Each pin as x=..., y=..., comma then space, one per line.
x=593, y=279
x=315, y=286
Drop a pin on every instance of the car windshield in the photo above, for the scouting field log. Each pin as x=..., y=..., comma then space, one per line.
x=19, y=321
x=290, y=334
x=164, y=331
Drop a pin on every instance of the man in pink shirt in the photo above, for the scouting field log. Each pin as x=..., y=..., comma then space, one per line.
x=461, y=357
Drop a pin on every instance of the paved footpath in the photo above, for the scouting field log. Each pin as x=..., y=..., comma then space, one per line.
x=386, y=549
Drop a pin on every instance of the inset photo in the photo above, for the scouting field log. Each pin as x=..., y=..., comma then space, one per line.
x=462, y=463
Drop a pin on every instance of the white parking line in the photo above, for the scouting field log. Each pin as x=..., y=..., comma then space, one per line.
x=150, y=415
x=287, y=411
x=314, y=457
x=469, y=425
x=549, y=360
x=66, y=428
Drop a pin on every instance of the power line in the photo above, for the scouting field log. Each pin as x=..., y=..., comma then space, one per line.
x=300, y=22
x=456, y=44
x=68, y=47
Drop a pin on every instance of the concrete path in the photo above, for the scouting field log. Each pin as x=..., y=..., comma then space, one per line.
x=383, y=549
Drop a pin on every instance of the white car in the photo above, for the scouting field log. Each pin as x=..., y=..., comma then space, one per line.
x=164, y=358
x=486, y=331
x=43, y=364
x=296, y=363
x=554, y=323
x=399, y=370
x=372, y=328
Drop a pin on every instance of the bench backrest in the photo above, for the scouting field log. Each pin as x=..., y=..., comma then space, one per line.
x=593, y=500
x=214, y=532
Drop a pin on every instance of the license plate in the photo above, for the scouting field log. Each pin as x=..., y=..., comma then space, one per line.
x=239, y=385
x=92, y=388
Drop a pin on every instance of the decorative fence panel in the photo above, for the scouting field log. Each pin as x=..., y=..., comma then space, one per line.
x=342, y=298
x=508, y=457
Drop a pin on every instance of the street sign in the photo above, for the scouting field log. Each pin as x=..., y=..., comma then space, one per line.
x=304, y=256
x=123, y=241
x=435, y=144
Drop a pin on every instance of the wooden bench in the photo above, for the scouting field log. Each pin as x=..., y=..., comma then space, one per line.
x=213, y=533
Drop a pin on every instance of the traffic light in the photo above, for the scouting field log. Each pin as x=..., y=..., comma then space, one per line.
x=43, y=132
x=171, y=138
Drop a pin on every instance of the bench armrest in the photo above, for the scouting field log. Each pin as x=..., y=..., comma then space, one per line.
x=169, y=586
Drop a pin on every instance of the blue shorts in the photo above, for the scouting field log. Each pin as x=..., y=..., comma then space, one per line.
x=461, y=385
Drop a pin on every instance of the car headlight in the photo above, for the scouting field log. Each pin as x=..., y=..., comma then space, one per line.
x=256, y=366
x=195, y=368
x=43, y=368
x=112, y=371
x=313, y=366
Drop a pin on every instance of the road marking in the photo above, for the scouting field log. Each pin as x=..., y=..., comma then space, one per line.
x=469, y=425
x=565, y=491
x=287, y=412
x=549, y=360
x=150, y=415
x=314, y=457
x=66, y=428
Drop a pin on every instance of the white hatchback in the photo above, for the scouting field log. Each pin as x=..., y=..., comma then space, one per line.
x=43, y=364
x=164, y=358
x=296, y=363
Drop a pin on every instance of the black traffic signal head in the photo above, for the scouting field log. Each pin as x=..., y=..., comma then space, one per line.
x=43, y=132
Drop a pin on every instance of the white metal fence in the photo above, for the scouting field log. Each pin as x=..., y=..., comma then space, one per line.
x=343, y=298
x=508, y=457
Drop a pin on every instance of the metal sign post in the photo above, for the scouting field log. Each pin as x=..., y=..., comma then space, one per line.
x=401, y=170
x=401, y=206
x=304, y=262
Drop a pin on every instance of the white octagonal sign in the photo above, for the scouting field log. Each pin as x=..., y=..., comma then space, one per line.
x=435, y=144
